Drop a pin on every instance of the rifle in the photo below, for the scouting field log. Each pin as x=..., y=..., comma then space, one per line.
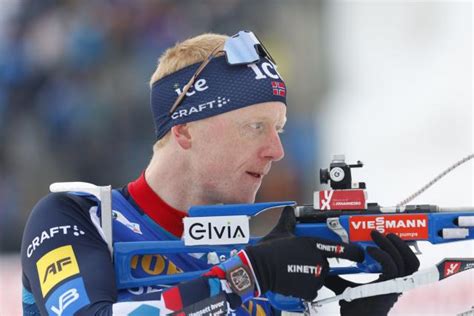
x=340, y=214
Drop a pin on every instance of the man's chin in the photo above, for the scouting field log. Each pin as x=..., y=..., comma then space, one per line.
x=251, y=199
x=245, y=199
x=233, y=196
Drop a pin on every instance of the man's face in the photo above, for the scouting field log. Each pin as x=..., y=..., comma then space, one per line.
x=232, y=152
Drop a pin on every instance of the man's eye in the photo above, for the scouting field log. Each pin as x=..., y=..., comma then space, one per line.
x=257, y=126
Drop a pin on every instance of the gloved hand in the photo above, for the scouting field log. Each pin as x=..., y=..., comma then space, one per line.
x=294, y=266
x=396, y=259
x=283, y=263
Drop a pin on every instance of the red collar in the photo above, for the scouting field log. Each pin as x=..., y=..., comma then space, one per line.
x=163, y=214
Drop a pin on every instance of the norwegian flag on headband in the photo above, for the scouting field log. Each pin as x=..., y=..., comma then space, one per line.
x=279, y=88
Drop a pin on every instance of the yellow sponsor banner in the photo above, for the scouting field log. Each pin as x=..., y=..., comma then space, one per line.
x=55, y=266
x=154, y=265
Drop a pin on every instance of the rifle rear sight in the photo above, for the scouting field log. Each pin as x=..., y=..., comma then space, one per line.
x=339, y=174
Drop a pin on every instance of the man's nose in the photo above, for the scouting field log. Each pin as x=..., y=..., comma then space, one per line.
x=274, y=149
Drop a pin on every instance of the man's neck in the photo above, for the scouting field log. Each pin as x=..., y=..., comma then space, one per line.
x=166, y=181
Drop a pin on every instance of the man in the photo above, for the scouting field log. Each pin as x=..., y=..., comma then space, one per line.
x=218, y=105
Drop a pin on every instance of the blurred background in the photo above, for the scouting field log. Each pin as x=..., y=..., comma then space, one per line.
x=386, y=82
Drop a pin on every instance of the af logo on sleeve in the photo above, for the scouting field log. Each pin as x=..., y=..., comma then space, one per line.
x=56, y=266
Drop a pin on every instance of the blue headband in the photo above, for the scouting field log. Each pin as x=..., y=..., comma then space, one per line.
x=219, y=88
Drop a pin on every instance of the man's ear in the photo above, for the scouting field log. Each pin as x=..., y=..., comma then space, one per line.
x=182, y=135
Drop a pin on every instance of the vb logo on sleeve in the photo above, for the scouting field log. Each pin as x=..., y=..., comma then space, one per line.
x=56, y=266
x=68, y=298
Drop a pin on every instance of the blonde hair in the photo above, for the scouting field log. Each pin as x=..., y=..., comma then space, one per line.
x=183, y=54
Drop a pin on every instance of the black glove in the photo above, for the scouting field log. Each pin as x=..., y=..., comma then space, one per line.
x=396, y=259
x=295, y=266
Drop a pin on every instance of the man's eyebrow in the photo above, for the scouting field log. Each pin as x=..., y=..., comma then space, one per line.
x=264, y=119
